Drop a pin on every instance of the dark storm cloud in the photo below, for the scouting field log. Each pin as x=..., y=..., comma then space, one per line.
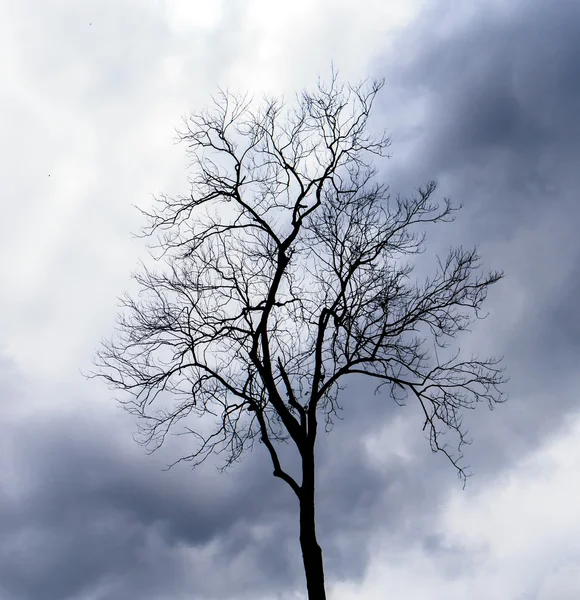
x=499, y=130
x=82, y=508
x=505, y=87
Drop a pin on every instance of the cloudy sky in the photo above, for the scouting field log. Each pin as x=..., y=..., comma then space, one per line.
x=481, y=95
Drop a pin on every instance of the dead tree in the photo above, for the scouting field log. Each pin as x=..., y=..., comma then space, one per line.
x=286, y=270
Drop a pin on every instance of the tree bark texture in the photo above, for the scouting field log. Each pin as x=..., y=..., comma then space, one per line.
x=311, y=551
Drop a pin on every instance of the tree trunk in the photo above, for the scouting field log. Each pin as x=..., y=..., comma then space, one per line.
x=311, y=551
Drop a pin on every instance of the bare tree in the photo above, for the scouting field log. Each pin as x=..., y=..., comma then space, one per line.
x=286, y=270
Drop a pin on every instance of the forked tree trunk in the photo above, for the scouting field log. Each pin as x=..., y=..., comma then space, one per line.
x=311, y=551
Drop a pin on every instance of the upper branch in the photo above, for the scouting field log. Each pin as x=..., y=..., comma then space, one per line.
x=286, y=269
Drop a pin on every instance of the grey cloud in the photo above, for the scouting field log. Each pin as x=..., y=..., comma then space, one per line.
x=499, y=131
x=82, y=510
x=501, y=86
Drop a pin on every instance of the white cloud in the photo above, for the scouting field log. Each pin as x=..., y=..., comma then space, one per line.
x=92, y=102
x=187, y=14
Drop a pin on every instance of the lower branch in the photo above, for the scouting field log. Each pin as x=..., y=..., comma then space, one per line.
x=278, y=471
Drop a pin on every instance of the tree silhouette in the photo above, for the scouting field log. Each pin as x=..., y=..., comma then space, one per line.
x=286, y=270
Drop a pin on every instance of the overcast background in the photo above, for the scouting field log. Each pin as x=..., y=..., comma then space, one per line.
x=481, y=95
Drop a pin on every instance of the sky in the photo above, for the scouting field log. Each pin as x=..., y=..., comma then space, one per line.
x=482, y=96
